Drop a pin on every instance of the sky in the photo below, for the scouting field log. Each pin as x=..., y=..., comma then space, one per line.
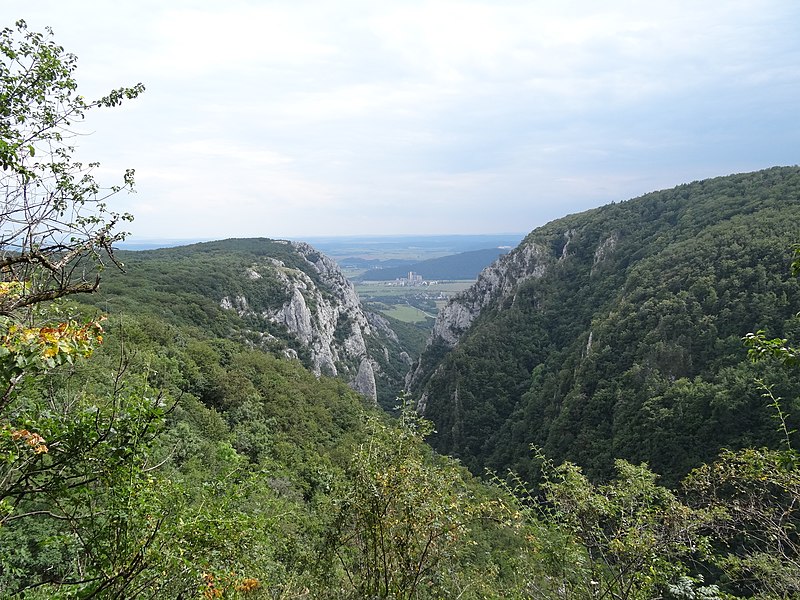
x=295, y=118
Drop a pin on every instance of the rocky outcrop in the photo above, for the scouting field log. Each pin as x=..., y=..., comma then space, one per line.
x=296, y=316
x=604, y=250
x=323, y=312
x=380, y=323
x=365, y=380
x=237, y=303
x=495, y=281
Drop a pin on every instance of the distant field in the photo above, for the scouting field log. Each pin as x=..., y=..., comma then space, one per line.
x=371, y=289
x=410, y=304
x=406, y=313
x=379, y=288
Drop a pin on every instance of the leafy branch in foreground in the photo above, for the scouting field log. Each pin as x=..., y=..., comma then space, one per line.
x=629, y=538
x=760, y=346
x=56, y=230
x=403, y=518
x=78, y=512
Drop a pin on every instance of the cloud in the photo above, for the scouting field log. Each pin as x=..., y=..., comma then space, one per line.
x=318, y=117
x=234, y=37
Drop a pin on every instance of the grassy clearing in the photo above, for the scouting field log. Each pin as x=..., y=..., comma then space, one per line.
x=453, y=287
x=406, y=313
x=377, y=288
x=409, y=304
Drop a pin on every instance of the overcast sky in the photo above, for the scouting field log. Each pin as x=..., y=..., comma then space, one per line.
x=295, y=118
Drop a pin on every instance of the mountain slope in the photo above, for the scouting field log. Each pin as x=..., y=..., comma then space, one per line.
x=616, y=332
x=284, y=297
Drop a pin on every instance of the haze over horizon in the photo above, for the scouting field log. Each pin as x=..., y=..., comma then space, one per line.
x=308, y=119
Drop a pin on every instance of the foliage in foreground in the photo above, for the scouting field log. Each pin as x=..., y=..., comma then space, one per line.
x=244, y=476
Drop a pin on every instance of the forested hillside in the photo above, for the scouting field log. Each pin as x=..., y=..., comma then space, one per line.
x=280, y=296
x=616, y=333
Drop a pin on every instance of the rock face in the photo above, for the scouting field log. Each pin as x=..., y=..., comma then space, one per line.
x=365, y=380
x=296, y=316
x=497, y=286
x=494, y=282
x=498, y=282
x=324, y=314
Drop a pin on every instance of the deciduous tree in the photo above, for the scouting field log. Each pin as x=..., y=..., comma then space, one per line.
x=56, y=229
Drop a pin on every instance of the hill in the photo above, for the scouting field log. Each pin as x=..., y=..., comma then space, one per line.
x=283, y=297
x=190, y=458
x=356, y=262
x=617, y=333
x=464, y=265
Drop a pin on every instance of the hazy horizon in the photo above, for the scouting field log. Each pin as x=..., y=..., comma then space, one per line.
x=297, y=119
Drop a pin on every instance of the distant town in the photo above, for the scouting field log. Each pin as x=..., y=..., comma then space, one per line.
x=413, y=279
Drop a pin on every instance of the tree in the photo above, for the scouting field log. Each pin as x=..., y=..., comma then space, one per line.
x=403, y=518
x=761, y=347
x=55, y=227
x=56, y=230
x=72, y=462
x=758, y=493
x=629, y=538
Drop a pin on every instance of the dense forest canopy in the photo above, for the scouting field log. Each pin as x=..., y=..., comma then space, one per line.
x=629, y=343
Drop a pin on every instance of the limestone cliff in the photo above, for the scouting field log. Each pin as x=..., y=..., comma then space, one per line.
x=495, y=282
x=322, y=312
x=497, y=287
